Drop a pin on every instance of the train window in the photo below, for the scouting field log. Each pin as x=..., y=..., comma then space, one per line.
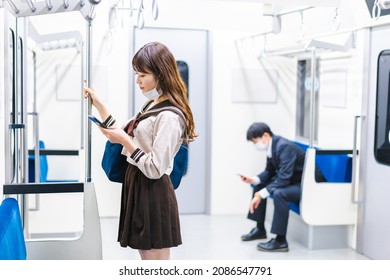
x=183, y=70
x=382, y=120
x=303, y=100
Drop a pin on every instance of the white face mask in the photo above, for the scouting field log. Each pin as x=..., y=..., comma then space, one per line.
x=153, y=94
x=260, y=146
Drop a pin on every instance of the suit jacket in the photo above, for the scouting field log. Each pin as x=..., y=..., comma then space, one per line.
x=286, y=165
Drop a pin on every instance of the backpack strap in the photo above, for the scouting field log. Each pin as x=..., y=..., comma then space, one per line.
x=156, y=111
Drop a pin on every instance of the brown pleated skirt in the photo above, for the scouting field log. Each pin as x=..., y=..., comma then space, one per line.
x=149, y=216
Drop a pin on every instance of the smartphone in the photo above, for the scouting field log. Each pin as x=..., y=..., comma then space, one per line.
x=97, y=121
x=245, y=178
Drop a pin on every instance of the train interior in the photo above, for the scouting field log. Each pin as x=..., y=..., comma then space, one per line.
x=316, y=71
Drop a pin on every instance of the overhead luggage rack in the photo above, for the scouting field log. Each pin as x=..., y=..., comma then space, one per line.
x=312, y=44
x=55, y=41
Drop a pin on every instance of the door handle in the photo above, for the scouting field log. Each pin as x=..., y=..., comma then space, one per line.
x=355, y=160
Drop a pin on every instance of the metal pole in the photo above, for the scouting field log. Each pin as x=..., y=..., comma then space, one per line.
x=89, y=103
x=15, y=109
x=82, y=140
x=312, y=98
x=18, y=127
x=23, y=121
x=36, y=124
x=354, y=161
x=37, y=147
x=15, y=127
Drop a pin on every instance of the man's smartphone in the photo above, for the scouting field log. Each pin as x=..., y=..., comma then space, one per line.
x=97, y=121
x=242, y=176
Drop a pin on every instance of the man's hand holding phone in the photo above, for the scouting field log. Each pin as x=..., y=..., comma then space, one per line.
x=245, y=178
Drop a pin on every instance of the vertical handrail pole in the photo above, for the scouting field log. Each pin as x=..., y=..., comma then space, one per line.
x=23, y=121
x=37, y=147
x=15, y=109
x=37, y=162
x=354, y=161
x=89, y=103
x=312, y=98
x=82, y=140
x=15, y=122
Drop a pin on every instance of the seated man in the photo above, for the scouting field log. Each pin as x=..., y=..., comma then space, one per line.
x=281, y=178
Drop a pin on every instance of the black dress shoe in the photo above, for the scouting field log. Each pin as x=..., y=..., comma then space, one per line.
x=273, y=246
x=255, y=233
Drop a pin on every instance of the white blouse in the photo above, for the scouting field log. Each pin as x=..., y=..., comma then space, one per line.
x=158, y=139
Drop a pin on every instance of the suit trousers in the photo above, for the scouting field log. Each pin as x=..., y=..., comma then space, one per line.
x=282, y=197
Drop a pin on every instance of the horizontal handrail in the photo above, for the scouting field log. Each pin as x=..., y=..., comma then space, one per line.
x=335, y=152
x=31, y=188
x=47, y=152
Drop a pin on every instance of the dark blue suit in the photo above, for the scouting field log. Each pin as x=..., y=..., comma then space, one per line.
x=282, y=178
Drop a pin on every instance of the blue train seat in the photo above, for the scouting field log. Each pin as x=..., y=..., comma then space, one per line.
x=335, y=168
x=12, y=244
x=43, y=167
x=295, y=207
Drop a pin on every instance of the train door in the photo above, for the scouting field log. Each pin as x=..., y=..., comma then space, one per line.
x=373, y=221
x=190, y=48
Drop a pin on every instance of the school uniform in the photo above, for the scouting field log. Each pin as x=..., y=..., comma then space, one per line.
x=149, y=216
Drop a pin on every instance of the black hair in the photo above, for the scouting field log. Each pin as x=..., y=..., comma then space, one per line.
x=257, y=130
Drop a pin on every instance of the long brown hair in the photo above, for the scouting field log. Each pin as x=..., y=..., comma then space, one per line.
x=157, y=59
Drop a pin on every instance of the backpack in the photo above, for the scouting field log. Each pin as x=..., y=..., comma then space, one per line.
x=180, y=163
x=115, y=164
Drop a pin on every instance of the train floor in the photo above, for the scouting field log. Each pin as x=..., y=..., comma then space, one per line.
x=217, y=237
